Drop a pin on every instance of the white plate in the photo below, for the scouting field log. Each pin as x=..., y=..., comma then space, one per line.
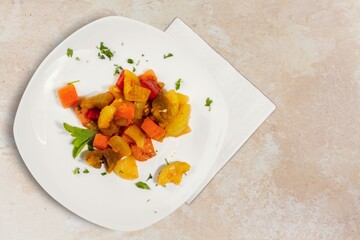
x=45, y=146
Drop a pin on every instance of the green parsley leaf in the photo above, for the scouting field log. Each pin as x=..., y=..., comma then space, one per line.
x=90, y=147
x=79, y=132
x=167, y=163
x=79, y=107
x=178, y=84
x=76, y=171
x=101, y=56
x=77, y=59
x=168, y=55
x=208, y=103
x=90, y=144
x=130, y=61
x=149, y=177
x=117, y=69
x=105, y=51
x=79, y=144
x=86, y=170
x=81, y=137
x=103, y=173
x=142, y=55
x=69, y=52
x=142, y=185
x=134, y=69
x=69, y=83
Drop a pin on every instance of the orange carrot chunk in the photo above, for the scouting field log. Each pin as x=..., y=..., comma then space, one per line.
x=153, y=130
x=68, y=95
x=100, y=141
x=125, y=110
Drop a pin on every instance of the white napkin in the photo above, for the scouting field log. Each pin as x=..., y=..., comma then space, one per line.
x=248, y=106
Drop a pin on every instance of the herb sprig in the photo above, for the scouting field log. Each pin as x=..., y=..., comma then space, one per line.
x=117, y=69
x=75, y=81
x=149, y=177
x=178, y=84
x=168, y=55
x=208, y=103
x=76, y=171
x=81, y=138
x=69, y=52
x=142, y=185
x=104, y=51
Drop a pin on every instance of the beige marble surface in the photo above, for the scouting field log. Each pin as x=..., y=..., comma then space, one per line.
x=298, y=177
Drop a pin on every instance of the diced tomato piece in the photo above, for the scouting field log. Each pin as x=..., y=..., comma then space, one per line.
x=93, y=114
x=120, y=81
x=144, y=153
x=153, y=87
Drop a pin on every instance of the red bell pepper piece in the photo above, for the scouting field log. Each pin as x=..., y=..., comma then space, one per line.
x=153, y=87
x=120, y=81
x=93, y=114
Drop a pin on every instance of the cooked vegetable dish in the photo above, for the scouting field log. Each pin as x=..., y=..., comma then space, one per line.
x=122, y=123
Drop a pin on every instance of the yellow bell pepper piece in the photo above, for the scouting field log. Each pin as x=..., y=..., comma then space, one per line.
x=172, y=172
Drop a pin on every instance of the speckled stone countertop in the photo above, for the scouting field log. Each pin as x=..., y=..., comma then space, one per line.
x=298, y=177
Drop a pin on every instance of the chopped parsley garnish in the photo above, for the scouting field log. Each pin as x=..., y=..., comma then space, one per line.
x=90, y=144
x=208, y=103
x=104, y=51
x=167, y=163
x=130, y=61
x=134, y=69
x=117, y=69
x=149, y=177
x=69, y=52
x=178, y=84
x=81, y=138
x=86, y=170
x=148, y=200
x=103, y=173
x=73, y=82
x=142, y=55
x=142, y=185
x=168, y=55
x=77, y=59
x=79, y=107
x=76, y=171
